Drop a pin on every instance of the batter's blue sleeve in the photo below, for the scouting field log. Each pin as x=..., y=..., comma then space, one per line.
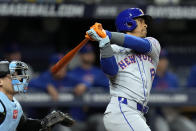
x=138, y=44
x=109, y=66
x=109, y=34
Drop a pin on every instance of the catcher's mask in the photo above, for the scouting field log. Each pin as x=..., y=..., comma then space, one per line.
x=18, y=71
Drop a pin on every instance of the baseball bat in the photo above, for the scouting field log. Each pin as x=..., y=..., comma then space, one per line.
x=68, y=57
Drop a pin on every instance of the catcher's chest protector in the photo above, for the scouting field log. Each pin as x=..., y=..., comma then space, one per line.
x=13, y=113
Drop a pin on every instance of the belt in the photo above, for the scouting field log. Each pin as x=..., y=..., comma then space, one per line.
x=136, y=105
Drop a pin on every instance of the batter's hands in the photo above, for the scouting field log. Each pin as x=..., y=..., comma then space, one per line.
x=99, y=30
x=93, y=35
x=97, y=33
x=97, y=27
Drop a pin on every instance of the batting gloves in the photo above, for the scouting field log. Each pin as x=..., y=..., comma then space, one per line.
x=102, y=41
x=97, y=33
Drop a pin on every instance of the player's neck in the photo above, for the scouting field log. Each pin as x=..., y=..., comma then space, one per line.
x=9, y=95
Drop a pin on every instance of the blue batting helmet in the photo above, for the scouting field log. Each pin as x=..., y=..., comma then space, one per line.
x=125, y=20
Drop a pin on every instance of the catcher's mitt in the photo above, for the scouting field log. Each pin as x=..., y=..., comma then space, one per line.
x=56, y=117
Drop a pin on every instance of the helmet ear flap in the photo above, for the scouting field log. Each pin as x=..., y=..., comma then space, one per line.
x=126, y=25
x=131, y=25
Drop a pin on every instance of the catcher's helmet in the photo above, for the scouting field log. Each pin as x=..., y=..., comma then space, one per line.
x=18, y=72
x=125, y=20
x=4, y=68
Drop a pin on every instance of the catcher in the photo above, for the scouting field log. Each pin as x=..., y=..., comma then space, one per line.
x=13, y=80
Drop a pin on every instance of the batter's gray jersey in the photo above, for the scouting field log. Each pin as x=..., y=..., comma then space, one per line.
x=136, y=72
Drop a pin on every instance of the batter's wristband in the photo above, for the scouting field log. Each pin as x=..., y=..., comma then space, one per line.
x=106, y=51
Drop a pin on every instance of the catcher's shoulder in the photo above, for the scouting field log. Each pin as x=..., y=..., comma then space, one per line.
x=1, y=108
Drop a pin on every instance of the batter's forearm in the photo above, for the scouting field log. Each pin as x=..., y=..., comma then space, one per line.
x=116, y=37
x=108, y=61
x=138, y=44
x=106, y=51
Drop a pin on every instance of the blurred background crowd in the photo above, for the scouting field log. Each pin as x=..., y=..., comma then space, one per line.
x=42, y=38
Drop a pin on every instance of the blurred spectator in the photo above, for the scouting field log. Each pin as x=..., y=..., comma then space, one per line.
x=53, y=83
x=163, y=78
x=13, y=52
x=87, y=72
x=168, y=118
x=192, y=77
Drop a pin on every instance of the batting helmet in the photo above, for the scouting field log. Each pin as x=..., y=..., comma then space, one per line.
x=125, y=20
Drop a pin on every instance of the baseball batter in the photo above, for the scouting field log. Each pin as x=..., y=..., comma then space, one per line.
x=130, y=63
